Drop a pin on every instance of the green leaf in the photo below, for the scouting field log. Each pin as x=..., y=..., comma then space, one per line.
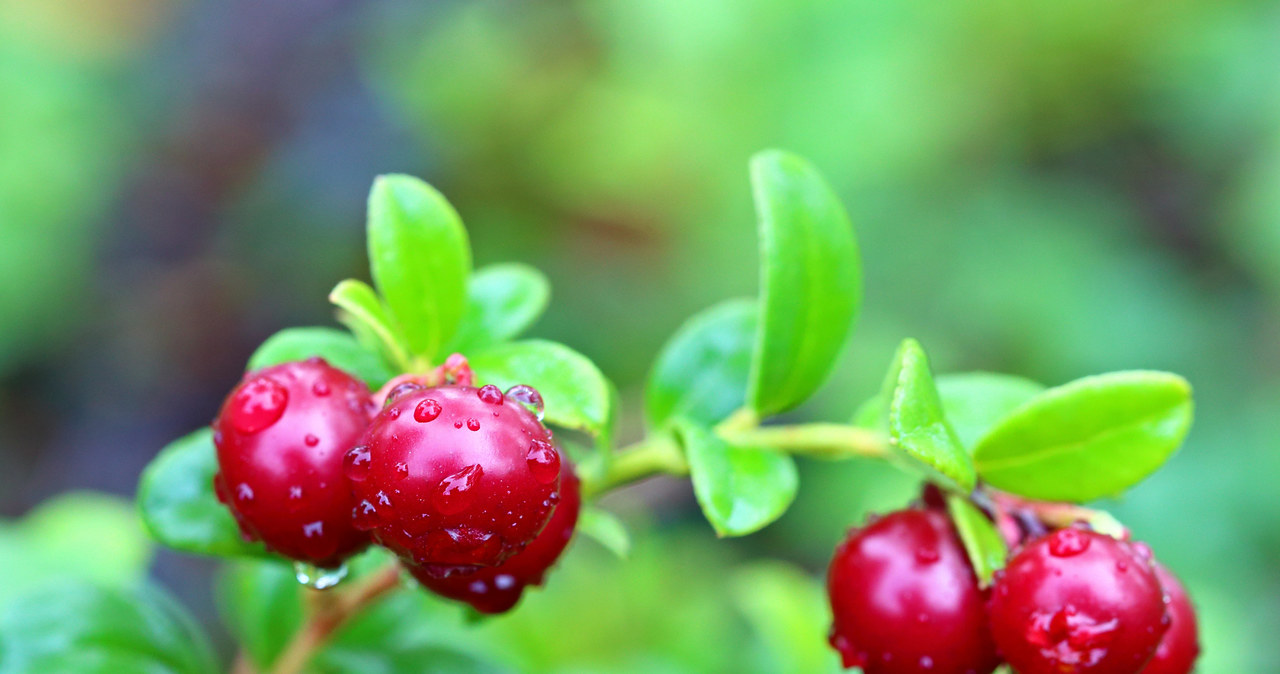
x=420, y=258
x=339, y=348
x=918, y=431
x=740, y=489
x=788, y=611
x=701, y=373
x=1093, y=437
x=79, y=627
x=178, y=505
x=261, y=604
x=577, y=395
x=810, y=281
x=503, y=300
x=972, y=402
x=365, y=314
x=606, y=529
x=49, y=544
x=983, y=543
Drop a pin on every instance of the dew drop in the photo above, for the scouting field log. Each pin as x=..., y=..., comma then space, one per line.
x=473, y=424
x=529, y=398
x=394, y=413
x=311, y=440
x=926, y=555
x=402, y=389
x=477, y=587
x=1068, y=542
x=427, y=410
x=457, y=424
x=244, y=492
x=455, y=493
x=355, y=464
x=295, y=497
x=320, y=389
x=504, y=581
x=926, y=662
x=316, y=360
x=401, y=470
x=365, y=516
x=544, y=462
x=315, y=543
x=490, y=394
x=317, y=578
x=257, y=405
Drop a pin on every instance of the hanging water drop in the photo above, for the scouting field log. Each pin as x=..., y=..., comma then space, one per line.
x=543, y=461
x=529, y=398
x=318, y=578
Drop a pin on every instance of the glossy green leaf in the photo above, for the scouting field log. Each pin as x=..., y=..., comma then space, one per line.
x=741, y=489
x=49, y=544
x=972, y=401
x=82, y=628
x=982, y=542
x=577, y=395
x=420, y=258
x=1093, y=437
x=701, y=374
x=365, y=314
x=918, y=431
x=261, y=604
x=788, y=612
x=606, y=529
x=178, y=505
x=339, y=348
x=503, y=300
x=810, y=281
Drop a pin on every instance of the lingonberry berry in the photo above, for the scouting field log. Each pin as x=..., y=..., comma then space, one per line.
x=906, y=600
x=496, y=589
x=1078, y=602
x=1180, y=646
x=454, y=477
x=281, y=437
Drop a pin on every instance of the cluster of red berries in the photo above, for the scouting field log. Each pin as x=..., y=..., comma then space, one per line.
x=462, y=483
x=1070, y=601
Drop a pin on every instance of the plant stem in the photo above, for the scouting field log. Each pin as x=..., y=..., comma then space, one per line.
x=657, y=454
x=327, y=611
x=243, y=665
x=821, y=441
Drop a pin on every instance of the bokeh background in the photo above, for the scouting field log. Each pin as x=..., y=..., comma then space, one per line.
x=1046, y=188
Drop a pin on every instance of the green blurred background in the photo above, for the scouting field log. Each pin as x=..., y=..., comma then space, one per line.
x=1045, y=188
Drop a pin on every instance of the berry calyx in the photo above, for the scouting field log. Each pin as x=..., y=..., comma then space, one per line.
x=454, y=477
x=1078, y=602
x=497, y=589
x=1180, y=646
x=906, y=600
x=281, y=436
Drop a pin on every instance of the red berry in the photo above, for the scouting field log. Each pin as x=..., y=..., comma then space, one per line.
x=496, y=589
x=1078, y=602
x=453, y=477
x=906, y=600
x=281, y=436
x=1178, y=650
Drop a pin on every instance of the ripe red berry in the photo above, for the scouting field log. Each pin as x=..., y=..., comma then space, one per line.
x=496, y=589
x=454, y=477
x=1078, y=602
x=1181, y=645
x=906, y=600
x=281, y=436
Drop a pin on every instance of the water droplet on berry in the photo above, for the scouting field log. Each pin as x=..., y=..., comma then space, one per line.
x=457, y=424
x=355, y=464
x=365, y=516
x=477, y=587
x=316, y=360
x=529, y=398
x=1068, y=542
x=926, y=662
x=1122, y=566
x=244, y=492
x=257, y=405
x=401, y=470
x=427, y=410
x=295, y=497
x=926, y=555
x=455, y=493
x=490, y=394
x=473, y=424
x=544, y=462
x=311, y=440
x=317, y=578
x=320, y=389
x=315, y=543
x=504, y=581
x=393, y=413
x=401, y=389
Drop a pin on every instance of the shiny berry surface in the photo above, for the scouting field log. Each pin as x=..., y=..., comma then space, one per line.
x=1078, y=602
x=496, y=589
x=454, y=477
x=906, y=601
x=1180, y=647
x=281, y=437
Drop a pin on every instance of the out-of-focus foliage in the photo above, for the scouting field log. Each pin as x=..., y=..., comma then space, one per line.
x=1048, y=189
